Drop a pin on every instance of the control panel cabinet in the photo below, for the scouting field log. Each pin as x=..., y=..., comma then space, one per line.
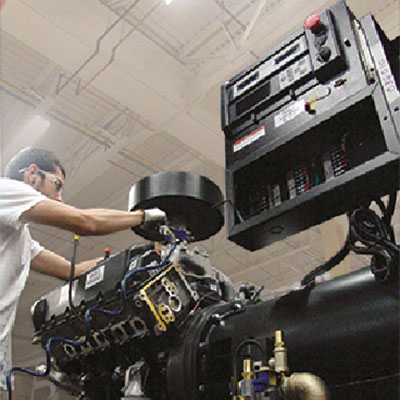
x=312, y=128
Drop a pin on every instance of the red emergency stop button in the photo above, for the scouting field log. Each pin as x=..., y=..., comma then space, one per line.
x=312, y=21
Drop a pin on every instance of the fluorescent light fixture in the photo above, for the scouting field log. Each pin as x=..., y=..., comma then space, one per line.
x=35, y=127
x=168, y=2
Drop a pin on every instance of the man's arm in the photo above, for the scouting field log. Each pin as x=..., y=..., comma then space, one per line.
x=83, y=222
x=52, y=264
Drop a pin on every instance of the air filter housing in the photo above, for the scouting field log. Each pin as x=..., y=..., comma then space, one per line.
x=193, y=203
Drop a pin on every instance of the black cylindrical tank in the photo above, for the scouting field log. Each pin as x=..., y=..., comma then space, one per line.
x=345, y=330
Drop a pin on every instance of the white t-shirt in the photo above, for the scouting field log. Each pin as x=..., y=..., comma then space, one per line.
x=17, y=249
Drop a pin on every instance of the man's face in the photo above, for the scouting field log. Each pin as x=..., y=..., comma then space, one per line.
x=47, y=183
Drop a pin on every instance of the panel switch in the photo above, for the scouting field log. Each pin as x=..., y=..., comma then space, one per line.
x=312, y=22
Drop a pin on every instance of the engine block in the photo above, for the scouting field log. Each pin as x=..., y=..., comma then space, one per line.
x=146, y=306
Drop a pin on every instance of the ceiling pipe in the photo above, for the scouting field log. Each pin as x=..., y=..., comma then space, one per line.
x=228, y=34
x=245, y=29
x=252, y=23
x=115, y=48
x=231, y=15
x=148, y=33
x=96, y=51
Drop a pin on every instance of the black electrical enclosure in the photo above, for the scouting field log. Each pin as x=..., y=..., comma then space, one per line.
x=312, y=129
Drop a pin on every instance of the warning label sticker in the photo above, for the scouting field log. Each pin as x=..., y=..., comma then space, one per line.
x=289, y=113
x=94, y=277
x=249, y=139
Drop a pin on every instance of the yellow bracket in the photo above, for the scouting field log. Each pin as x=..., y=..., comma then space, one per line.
x=166, y=313
x=163, y=313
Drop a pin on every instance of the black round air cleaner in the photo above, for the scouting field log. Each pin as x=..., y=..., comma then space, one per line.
x=192, y=203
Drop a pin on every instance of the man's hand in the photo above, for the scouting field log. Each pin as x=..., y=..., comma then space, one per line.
x=153, y=216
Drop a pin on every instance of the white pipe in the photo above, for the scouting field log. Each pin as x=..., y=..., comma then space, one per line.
x=304, y=386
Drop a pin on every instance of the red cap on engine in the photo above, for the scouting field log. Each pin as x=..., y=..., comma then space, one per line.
x=312, y=21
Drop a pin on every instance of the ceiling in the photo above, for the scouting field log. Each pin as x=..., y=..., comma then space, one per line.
x=131, y=88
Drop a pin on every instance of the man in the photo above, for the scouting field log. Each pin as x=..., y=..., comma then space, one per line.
x=31, y=192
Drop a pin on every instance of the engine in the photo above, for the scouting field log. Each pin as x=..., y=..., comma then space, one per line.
x=117, y=322
x=167, y=325
x=179, y=338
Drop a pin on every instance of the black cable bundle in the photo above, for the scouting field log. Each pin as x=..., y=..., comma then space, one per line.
x=375, y=236
x=336, y=259
x=368, y=234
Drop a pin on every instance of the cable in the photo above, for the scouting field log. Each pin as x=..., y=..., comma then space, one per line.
x=97, y=49
x=375, y=236
x=336, y=259
x=235, y=209
x=196, y=307
x=123, y=294
x=377, y=379
x=123, y=288
x=236, y=355
x=71, y=279
x=257, y=293
x=391, y=206
x=87, y=319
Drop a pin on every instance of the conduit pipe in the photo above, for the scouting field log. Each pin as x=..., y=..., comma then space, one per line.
x=96, y=51
x=245, y=29
x=114, y=50
x=231, y=15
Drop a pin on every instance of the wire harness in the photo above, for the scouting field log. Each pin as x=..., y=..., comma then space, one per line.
x=368, y=234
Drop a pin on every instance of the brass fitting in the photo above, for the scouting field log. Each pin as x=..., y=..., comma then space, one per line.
x=248, y=370
x=280, y=354
x=279, y=339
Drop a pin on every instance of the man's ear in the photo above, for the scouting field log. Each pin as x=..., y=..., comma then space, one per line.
x=31, y=174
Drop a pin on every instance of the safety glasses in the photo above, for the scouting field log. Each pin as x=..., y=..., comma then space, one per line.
x=57, y=181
